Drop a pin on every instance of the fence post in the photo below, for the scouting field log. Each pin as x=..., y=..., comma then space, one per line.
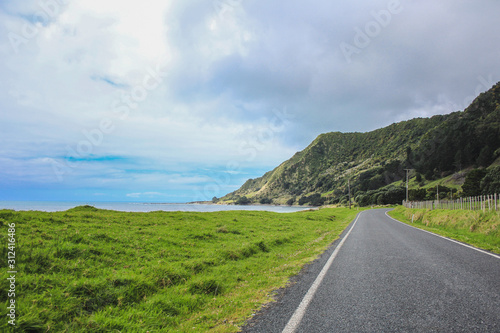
x=480, y=202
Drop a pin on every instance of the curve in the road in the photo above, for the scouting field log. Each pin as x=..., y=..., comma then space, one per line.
x=384, y=276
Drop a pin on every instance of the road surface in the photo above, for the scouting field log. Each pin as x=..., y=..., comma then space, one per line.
x=385, y=276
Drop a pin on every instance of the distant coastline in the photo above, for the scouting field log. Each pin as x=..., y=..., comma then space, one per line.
x=199, y=206
x=233, y=204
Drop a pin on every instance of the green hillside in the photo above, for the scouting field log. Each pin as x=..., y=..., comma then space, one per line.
x=444, y=146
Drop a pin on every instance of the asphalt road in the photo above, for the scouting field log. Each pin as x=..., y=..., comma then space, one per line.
x=388, y=277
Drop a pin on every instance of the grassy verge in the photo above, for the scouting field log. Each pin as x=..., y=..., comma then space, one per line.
x=479, y=229
x=90, y=270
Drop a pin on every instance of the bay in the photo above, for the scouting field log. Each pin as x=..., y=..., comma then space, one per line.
x=57, y=206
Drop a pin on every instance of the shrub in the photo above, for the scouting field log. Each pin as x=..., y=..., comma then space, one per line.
x=490, y=184
x=243, y=201
x=472, y=184
x=266, y=201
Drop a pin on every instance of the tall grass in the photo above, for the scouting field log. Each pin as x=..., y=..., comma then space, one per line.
x=480, y=229
x=90, y=270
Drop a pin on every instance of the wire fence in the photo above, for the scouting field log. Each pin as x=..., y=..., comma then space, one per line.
x=482, y=202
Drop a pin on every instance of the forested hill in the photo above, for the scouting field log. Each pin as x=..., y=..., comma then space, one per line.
x=433, y=147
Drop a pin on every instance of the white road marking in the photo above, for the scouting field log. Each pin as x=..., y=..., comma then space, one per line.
x=296, y=318
x=451, y=240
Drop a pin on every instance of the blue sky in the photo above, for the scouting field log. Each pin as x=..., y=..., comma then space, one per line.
x=175, y=101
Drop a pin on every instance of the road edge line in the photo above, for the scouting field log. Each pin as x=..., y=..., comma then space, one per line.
x=451, y=240
x=296, y=318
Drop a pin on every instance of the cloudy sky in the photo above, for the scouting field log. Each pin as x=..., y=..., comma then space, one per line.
x=174, y=101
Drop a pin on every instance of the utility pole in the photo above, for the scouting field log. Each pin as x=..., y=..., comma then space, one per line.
x=349, y=187
x=407, y=180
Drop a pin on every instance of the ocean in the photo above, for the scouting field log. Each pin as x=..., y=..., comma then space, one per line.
x=57, y=206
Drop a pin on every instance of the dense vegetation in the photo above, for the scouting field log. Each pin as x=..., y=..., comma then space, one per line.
x=90, y=270
x=464, y=139
x=375, y=162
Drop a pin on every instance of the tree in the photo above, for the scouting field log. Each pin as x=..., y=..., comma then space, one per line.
x=429, y=175
x=243, y=201
x=303, y=200
x=458, y=160
x=431, y=193
x=409, y=156
x=472, y=184
x=363, y=200
x=395, y=195
x=316, y=200
x=485, y=157
x=417, y=194
x=380, y=199
x=490, y=184
x=418, y=177
x=265, y=201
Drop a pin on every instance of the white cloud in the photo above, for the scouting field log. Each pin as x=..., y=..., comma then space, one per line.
x=227, y=70
x=145, y=194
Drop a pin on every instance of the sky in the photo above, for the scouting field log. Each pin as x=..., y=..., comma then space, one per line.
x=178, y=101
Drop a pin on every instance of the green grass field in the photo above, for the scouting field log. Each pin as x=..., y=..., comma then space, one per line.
x=90, y=270
x=479, y=229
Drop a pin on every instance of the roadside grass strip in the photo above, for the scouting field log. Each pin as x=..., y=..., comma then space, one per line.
x=91, y=270
x=479, y=229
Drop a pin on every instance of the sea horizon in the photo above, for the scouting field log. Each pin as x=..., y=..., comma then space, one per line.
x=134, y=206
